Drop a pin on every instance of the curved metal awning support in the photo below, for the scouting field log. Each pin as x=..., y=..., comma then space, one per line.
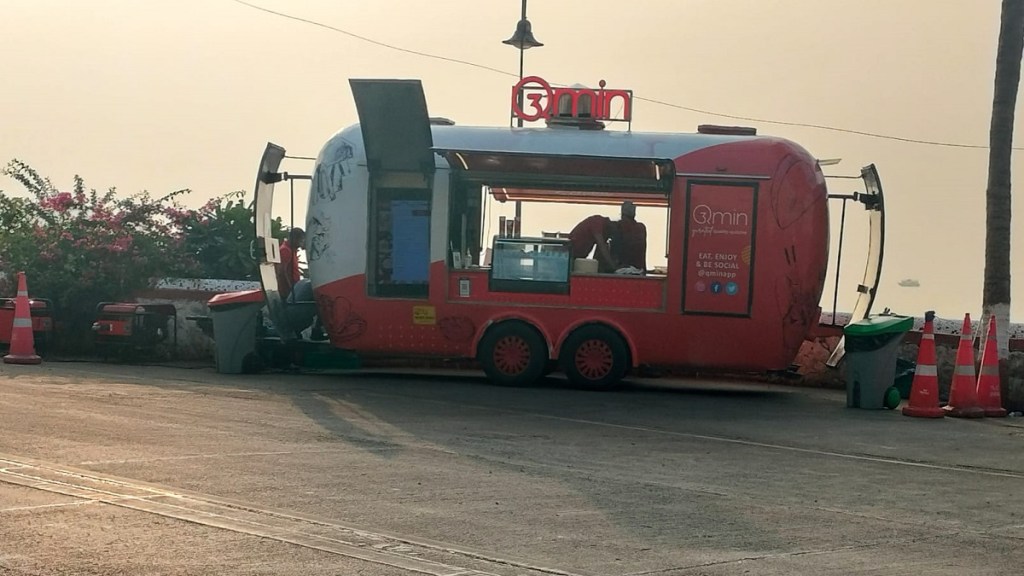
x=267, y=250
x=874, y=203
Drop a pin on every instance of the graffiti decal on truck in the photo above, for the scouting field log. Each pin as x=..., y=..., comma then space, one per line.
x=329, y=178
x=319, y=242
x=798, y=306
x=341, y=322
x=457, y=328
x=790, y=202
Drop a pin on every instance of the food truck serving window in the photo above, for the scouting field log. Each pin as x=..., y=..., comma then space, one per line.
x=544, y=265
x=565, y=173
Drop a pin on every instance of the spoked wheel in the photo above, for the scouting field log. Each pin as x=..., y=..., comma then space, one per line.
x=513, y=354
x=595, y=357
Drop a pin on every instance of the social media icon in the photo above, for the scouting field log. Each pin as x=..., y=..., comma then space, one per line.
x=716, y=287
x=700, y=286
x=732, y=288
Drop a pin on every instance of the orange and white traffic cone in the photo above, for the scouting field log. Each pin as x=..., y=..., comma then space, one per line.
x=23, y=346
x=989, y=395
x=963, y=392
x=924, y=391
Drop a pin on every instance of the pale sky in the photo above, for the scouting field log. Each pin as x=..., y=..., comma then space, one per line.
x=159, y=95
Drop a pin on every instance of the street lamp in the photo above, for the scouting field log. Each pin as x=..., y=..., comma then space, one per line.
x=524, y=40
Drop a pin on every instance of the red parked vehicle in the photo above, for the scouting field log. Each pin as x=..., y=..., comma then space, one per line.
x=41, y=310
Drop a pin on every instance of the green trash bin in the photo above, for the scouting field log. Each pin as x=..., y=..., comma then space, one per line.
x=905, y=370
x=872, y=346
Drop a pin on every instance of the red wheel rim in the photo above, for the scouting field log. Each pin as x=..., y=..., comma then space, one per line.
x=512, y=355
x=594, y=359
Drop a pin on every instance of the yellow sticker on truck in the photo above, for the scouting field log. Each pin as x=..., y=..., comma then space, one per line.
x=424, y=315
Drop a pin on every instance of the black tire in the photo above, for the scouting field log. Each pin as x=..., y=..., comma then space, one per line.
x=550, y=367
x=595, y=357
x=513, y=354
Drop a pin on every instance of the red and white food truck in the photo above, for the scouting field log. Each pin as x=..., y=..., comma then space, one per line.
x=400, y=266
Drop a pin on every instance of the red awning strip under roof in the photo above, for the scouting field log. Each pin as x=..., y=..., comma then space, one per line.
x=556, y=174
x=578, y=197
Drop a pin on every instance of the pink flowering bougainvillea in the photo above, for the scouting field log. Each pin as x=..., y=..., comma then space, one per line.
x=81, y=247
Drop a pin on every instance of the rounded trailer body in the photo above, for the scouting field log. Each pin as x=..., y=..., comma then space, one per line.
x=395, y=244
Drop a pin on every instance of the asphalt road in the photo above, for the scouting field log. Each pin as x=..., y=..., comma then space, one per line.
x=109, y=469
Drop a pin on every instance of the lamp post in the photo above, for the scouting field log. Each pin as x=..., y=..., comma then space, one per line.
x=524, y=40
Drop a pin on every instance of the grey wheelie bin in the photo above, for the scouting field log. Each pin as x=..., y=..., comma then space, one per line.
x=236, y=316
x=872, y=345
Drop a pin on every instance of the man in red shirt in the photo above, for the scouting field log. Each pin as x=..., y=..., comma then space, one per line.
x=629, y=245
x=591, y=232
x=288, y=270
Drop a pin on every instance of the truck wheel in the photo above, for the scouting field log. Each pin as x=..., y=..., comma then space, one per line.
x=513, y=354
x=595, y=357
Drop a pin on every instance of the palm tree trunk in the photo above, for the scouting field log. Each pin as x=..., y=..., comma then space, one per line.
x=997, y=221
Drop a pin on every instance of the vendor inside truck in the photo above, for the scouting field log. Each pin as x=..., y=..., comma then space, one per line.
x=591, y=232
x=629, y=242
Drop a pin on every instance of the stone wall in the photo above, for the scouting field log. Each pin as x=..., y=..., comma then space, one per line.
x=189, y=297
x=816, y=351
x=1012, y=371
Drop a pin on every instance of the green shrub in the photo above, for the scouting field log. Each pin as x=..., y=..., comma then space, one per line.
x=80, y=248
